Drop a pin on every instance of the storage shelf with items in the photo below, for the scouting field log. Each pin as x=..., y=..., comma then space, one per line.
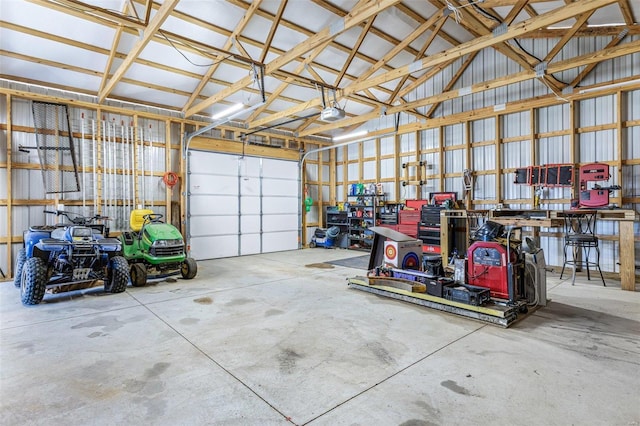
x=335, y=216
x=362, y=216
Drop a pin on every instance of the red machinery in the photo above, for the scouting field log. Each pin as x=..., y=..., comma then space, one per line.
x=494, y=265
x=488, y=267
x=596, y=196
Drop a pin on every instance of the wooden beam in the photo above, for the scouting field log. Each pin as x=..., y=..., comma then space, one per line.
x=278, y=91
x=424, y=48
x=354, y=50
x=302, y=30
x=595, y=57
x=400, y=46
x=112, y=54
x=515, y=11
x=328, y=33
x=150, y=30
x=591, y=66
x=568, y=35
x=453, y=81
x=542, y=21
x=275, y=23
x=227, y=45
x=627, y=12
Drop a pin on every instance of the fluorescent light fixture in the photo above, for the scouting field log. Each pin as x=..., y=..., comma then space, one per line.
x=609, y=86
x=228, y=111
x=350, y=135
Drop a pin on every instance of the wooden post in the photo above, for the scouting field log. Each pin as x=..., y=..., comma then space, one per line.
x=9, y=122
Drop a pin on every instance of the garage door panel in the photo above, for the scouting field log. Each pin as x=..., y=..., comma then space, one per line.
x=220, y=204
x=250, y=244
x=214, y=185
x=279, y=241
x=279, y=222
x=203, y=161
x=242, y=205
x=279, y=187
x=249, y=167
x=278, y=168
x=214, y=247
x=250, y=205
x=214, y=225
x=280, y=205
x=250, y=224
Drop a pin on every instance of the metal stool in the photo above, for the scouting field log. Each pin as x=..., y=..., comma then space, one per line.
x=580, y=238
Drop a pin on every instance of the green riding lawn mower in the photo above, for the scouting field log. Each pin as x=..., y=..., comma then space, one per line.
x=155, y=249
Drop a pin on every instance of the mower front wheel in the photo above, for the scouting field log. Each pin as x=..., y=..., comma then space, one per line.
x=117, y=277
x=189, y=268
x=138, y=275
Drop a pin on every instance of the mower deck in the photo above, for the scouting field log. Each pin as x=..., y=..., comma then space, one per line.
x=493, y=313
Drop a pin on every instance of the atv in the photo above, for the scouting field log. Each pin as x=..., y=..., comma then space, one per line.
x=61, y=257
x=155, y=249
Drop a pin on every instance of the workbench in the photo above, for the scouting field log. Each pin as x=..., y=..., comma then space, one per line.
x=550, y=219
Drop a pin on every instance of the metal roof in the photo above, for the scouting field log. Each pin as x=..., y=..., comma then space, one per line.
x=199, y=57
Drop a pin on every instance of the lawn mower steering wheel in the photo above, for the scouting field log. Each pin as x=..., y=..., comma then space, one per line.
x=152, y=218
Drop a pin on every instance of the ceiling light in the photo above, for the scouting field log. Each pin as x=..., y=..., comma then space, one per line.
x=351, y=135
x=228, y=111
x=608, y=86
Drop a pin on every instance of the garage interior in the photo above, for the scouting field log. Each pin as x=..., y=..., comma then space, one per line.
x=435, y=154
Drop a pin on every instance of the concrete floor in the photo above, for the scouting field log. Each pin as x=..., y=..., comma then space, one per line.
x=263, y=340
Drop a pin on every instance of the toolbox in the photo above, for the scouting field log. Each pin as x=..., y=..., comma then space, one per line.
x=435, y=286
x=464, y=293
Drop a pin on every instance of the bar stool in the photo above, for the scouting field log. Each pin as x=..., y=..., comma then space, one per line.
x=579, y=239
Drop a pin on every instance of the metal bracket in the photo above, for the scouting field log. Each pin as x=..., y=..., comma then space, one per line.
x=541, y=69
x=500, y=29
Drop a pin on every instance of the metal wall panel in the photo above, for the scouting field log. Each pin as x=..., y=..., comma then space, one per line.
x=369, y=170
x=388, y=168
x=353, y=172
x=387, y=145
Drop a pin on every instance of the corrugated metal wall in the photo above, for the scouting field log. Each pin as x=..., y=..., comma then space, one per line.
x=539, y=136
x=120, y=167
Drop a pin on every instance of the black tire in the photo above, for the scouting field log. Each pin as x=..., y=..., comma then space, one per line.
x=17, y=274
x=138, y=275
x=117, y=275
x=33, y=281
x=189, y=268
x=312, y=244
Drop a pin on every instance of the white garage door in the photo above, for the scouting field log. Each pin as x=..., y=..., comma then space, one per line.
x=241, y=205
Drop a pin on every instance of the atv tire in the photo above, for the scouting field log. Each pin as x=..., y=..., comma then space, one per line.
x=33, y=281
x=138, y=275
x=17, y=276
x=117, y=275
x=189, y=268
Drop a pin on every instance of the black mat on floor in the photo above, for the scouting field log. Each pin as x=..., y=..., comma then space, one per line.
x=358, y=262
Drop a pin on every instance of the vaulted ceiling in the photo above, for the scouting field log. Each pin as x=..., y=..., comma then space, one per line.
x=288, y=59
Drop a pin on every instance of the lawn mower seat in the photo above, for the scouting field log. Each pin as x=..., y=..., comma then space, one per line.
x=136, y=219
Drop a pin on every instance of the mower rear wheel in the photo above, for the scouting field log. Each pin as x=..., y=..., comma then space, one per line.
x=33, y=282
x=138, y=275
x=20, y=260
x=189, y=268
x=118, y=275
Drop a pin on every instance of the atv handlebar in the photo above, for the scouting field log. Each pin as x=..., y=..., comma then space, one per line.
x=77, y=219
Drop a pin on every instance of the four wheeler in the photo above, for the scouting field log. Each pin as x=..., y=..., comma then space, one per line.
x=155, y=249
x=59, y=257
